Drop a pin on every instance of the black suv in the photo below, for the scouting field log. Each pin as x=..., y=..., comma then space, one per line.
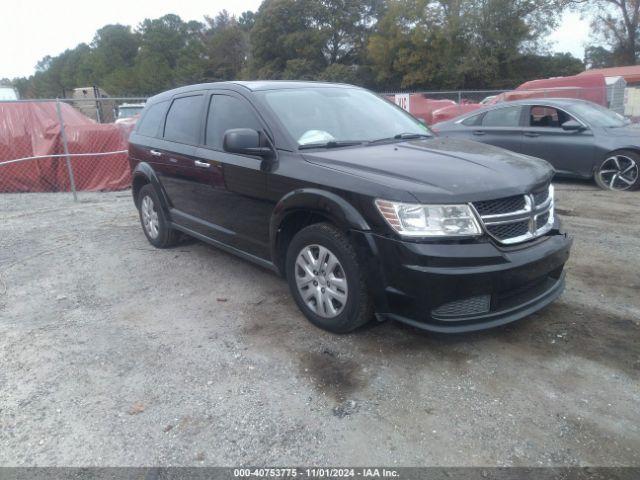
x=353, y=200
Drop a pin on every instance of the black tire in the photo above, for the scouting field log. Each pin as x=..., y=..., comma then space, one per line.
x=625, y=161
x=166, y=236
x=357, y=310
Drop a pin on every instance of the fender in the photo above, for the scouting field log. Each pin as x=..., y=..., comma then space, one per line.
x=144, y=170
x=313, y=200
x=342, y=214
x=333, y=206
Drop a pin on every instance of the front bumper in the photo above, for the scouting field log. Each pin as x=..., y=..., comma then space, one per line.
x=464, y=287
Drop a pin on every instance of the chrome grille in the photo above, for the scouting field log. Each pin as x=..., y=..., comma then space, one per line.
x=541, y=197
x=509, y=230
x=502, y=205
x=542, y=220
x=517, y=218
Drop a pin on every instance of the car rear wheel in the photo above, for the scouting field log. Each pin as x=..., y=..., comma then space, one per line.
x=326, y=280
x=619, y=171
x=154, y=223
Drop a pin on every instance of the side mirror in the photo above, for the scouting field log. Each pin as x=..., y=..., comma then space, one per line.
x=244, y=141
x=572, y=126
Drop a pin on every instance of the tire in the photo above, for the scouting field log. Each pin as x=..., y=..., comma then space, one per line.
x=619, y=171
x=154, y=223
x=338, y=300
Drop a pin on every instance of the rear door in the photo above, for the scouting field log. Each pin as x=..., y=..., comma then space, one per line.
x=175, y=160
x=146, y=136
x=501, y=127
x=570, y=152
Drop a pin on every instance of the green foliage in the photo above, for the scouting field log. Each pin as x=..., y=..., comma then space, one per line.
x=598, y=57
x=381, y=44
x=615, y=26
x=225, y=46
x=458, y=43
x=340, y=73
x=285, y=41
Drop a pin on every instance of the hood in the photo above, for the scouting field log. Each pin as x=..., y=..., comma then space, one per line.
x=440, y=169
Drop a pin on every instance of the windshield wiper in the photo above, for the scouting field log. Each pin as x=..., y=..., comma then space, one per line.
x=401, y=136
x=330, y=144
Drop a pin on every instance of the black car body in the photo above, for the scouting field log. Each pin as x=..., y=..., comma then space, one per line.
x=579, y=138
x=256, y=204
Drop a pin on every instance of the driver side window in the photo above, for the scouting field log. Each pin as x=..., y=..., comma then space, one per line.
x=547, y=117
x=226, y=113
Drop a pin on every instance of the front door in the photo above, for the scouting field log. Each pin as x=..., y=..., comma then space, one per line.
x=570, y=152
x=237, y=207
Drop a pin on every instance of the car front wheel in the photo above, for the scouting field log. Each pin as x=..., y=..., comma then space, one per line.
x=326, y=280
x=619, y=171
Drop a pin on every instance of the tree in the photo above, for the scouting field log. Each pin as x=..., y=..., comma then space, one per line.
x=302, y=38
x=343, y=25
x=340, y=73
x=381, y=44
x=596, y=56
x=55, y=76
x=226, y=47
x=111, y=60
x=171, y=53
x=247, y=20
x=531, y=66
x=458, y=43
x=285, y=30
x=617, y=23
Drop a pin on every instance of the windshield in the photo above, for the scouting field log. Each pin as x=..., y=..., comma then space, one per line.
x=128, y=112
x=598, y=116
x=334, y=114
x=8, y=93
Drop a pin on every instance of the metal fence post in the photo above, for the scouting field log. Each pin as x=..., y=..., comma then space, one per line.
x=63, y=134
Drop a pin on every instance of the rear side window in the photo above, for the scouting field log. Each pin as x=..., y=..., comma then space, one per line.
x=183, y=120
x=502, y=117
x=472, y=121
x=150, y=123
x=226, y=113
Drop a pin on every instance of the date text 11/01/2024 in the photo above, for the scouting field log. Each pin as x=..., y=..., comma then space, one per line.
x=316, y=472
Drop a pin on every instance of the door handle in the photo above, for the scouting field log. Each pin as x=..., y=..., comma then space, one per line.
x=200, y=164
x=478, y=132
x=155, y=153
x=531, y=134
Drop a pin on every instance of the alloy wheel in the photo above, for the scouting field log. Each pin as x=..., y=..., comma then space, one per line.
x=619, y=172
x=321, y=281
x=150, y=217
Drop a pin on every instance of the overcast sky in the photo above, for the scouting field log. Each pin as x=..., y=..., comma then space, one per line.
x=30, y=30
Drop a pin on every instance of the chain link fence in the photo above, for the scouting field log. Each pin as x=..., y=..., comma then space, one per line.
x=66, y=145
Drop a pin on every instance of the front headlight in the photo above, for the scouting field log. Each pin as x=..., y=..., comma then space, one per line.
x=429, y=220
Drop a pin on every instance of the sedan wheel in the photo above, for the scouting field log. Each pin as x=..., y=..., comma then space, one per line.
x=321, y=281
x=618, y=172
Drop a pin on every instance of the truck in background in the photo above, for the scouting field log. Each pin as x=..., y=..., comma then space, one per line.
x=8, y=93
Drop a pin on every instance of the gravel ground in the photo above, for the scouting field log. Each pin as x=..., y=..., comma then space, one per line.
x=115, y=353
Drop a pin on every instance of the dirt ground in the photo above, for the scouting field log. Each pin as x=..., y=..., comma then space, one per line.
x=115, y=353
